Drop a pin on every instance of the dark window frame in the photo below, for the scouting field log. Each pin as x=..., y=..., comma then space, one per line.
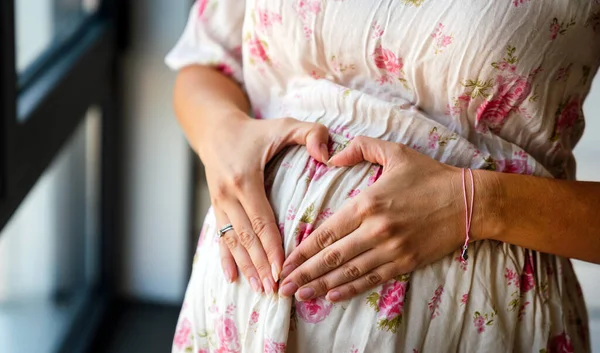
x=41, y=109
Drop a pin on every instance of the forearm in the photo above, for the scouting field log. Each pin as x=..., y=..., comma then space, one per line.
x=548, y=215
x=204, y=98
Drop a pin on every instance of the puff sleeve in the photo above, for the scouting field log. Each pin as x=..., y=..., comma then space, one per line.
x=212, y=37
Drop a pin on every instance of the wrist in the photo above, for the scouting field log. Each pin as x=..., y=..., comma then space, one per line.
x=488, y=206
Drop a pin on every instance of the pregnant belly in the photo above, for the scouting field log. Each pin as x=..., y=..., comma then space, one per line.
x=305, y=192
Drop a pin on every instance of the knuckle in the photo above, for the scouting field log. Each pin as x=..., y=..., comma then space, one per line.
x=411, y=262
x=247, y=239
x=237, y=180
x=219, y=193
x=351, y=272
x=260, y=226
x=305, y=277
x=373, y=278
x=325, y=238
x=384, y=226
x=332, y=258
x=230, y=241
x=246, y=269
x=322, y=285
x=263, y=269
x=360, y=140
x=351, y=290
x=369, y=206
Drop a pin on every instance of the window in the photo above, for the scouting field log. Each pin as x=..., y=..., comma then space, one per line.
x=58, y=170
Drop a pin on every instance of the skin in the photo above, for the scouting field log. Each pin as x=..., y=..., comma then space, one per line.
x=412, y=216
x=211, y=109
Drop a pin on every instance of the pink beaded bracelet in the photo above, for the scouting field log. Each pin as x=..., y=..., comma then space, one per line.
x=468, y=212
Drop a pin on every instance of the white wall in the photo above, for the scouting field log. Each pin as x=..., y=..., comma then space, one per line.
x=157, y=170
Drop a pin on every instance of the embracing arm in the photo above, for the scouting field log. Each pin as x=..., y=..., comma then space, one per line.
x=548, y=215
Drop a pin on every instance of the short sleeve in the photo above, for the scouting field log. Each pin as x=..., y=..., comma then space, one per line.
x=212, y=37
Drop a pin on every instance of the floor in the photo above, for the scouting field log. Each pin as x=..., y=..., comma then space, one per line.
x=138, y=327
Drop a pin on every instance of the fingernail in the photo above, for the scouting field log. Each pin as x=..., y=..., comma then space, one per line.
x=255, y=285
x=275, y=271
x=334, y=296
x=268, y=284
x=229, y=276
x=324, y=153
x=286, y=271
x=305, y=293
x=288, y=289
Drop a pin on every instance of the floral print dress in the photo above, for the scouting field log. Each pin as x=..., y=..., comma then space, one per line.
x=494, y=85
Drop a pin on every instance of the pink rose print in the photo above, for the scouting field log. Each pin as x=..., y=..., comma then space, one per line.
x=527, y=279
x=254, y=317
x=461, y=263
x=481, y=320
x=563, y=72
x=391, y=300
x=479, y=323
x=313, y=311
x=202, y=7
x=435, y=301
x=257, y=50
x=510, y=93
x=557, y=28
x=315, y=169
x=375, y=173
x=377, y=31
x=183, y=335
x=519, y=2
x=323, y=215
x=227, y=334
x=225, y=69
x=567, y=115
x=441, y=40
x=353, y=193
x=281, y=229
x=274, y=347
x=517, y=165
x=385, y=59
x=464, y=299
x=203, y=351
x=560, y=343
x=304, y=230
x=353, y=349
x=594, y=19
x=307, y=10
x=511, y=277
x=266, y=19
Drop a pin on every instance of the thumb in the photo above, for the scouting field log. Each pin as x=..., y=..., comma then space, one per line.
x=363, y=148
x=314, y=136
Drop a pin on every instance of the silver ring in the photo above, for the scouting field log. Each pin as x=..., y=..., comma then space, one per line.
x=225, y=229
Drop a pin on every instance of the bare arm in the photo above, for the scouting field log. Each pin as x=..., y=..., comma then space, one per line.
x=234, y=149
x=548, y=215
x=201, y=94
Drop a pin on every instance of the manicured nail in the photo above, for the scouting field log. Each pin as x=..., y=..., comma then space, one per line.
x=268, y=284
x=275, y=271
x=286, y=271
x=228, y=276
x=324, y=153
x=305, y=293
x=288, y=289
x=334, y=296
x=255, y=284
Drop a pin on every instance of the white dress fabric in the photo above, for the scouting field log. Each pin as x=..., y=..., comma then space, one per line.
x=494, y=85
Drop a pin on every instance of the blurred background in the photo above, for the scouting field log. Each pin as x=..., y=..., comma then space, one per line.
x=101, y=199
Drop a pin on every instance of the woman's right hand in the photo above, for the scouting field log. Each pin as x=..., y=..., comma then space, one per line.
x=235, y=153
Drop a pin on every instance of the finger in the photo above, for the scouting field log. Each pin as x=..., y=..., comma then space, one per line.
x=368, y=281
x=314, y=135
x=240, y=255
x=249, y=241
x=363, y=148
x=259, y=212
x=340, y=224
x=227, y=260
x=359, y=263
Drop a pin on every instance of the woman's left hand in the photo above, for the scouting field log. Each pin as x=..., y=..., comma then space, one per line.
x=413, y=215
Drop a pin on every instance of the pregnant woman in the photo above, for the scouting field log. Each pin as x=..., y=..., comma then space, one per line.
x=388, y=175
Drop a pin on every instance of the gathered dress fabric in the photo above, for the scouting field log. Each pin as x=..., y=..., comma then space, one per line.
x=495, y=85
